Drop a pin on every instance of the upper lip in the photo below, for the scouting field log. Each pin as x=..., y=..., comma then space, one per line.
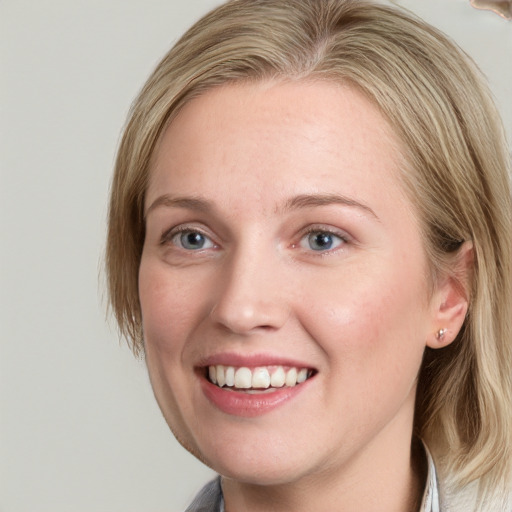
x=252, y=360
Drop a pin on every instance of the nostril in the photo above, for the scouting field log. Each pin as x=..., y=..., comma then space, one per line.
x=246, y=318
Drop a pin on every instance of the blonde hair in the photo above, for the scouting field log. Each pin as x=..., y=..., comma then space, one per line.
x=457, y=173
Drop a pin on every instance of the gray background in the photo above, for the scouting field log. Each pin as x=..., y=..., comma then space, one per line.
x=79, y=428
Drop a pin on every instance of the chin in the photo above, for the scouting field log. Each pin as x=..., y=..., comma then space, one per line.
x=259, y=474
x=255, y=466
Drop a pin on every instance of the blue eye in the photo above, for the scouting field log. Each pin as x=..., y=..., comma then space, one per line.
x=321, y=241
x=192, y=240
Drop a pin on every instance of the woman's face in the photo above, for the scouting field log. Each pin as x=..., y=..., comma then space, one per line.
x=281, y=247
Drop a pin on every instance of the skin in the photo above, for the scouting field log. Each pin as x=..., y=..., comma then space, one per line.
x=359, y=313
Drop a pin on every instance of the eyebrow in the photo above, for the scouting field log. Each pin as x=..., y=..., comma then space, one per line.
x=313, y=200
x=190, y=203
x=295, y=203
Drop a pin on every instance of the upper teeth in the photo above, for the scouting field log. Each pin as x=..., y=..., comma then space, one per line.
x=261, y=377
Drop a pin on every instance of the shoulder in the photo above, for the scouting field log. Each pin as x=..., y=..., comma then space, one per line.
x=209, y=498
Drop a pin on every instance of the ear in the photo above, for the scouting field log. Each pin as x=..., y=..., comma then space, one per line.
x=451, y=298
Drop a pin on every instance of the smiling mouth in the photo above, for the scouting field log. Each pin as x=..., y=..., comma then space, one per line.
x=257, y=380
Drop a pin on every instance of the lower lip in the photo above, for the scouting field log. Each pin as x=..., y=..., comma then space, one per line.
x=248, y=405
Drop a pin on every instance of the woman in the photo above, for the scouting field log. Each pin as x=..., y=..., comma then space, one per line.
x=309, y=240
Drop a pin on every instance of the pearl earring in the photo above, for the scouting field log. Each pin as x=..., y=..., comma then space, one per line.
x=440, y=334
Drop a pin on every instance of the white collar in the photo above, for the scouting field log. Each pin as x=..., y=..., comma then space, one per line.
x=430, y=502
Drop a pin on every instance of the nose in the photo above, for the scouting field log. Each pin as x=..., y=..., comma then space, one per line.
x=252, y=295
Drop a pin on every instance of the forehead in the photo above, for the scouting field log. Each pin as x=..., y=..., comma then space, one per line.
x=291, y=137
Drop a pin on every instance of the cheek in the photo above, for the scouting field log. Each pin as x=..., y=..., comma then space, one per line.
x=162, y=348
x=371, y=317
x=166, y=315
x=374, y=348
x=167, y=306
